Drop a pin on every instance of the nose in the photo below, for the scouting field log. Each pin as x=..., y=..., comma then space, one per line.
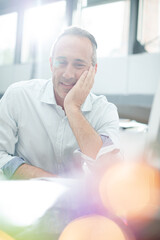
x=69, y=72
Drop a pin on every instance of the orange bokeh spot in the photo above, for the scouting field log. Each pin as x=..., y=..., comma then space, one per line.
x=130, y=190
x=5, y=236
x=93, y=228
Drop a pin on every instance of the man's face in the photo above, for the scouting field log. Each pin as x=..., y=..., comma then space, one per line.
x=72, y=56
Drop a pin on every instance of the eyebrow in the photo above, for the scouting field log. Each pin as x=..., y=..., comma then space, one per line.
x=80, y=60
x=76, y=59
x=59, y=58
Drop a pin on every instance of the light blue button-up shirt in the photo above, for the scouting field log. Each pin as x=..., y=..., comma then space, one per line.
x=34, y=128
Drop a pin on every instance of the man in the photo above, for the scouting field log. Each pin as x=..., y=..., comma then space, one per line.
x=50, y=128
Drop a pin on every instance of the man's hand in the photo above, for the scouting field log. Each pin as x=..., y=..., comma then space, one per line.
x=88, y=139
x=77, y=95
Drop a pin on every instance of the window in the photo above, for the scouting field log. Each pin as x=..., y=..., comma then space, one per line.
x=109, y=23
x=149, y=25
x=8, y=27
x=41, y=26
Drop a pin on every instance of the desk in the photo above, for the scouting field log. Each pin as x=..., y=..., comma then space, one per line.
x=65, y=200
x=74, y=199
x=40, y=209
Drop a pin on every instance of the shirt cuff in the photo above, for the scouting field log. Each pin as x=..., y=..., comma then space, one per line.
x=10, y=167
x=106, y=140
x=87, y=162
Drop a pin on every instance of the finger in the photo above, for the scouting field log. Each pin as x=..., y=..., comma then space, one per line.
x=82, y=78
x=90, y=78
x=91, y=74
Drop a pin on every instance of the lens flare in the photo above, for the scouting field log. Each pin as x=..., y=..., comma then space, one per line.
x=130, y=190
x=92, y=227
x=5, y=236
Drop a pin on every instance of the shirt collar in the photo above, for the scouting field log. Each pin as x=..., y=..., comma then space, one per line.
x=87, y=105
x=47, y=93
x=47, y=96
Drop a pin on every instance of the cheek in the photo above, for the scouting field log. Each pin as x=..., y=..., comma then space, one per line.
x=79, y=73
x=56, y=75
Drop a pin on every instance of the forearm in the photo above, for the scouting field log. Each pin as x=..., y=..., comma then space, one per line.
x=26, y=171
x=88, y=139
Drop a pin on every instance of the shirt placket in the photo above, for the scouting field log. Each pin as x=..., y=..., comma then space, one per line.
x=59, y=142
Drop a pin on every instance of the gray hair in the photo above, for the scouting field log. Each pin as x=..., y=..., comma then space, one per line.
x=76, y=31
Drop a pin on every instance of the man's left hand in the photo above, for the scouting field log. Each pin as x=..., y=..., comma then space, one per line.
x=77, y=95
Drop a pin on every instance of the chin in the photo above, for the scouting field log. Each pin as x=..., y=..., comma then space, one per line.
x=63, y=95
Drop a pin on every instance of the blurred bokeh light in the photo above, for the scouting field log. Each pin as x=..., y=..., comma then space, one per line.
x=93, y=227
x=130, y=190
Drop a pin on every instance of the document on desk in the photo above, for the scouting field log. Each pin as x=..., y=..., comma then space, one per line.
x=127, y=124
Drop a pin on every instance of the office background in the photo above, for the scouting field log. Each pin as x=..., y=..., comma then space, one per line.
x=128, y=36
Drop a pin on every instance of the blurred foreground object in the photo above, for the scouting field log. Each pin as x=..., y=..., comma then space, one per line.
x=92, y=228
x=4, y=236
x=131, y=190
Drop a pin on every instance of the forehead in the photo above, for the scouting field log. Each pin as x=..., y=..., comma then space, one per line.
x=74, y=47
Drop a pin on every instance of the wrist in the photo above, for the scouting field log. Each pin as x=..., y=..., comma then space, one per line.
x=72, y=109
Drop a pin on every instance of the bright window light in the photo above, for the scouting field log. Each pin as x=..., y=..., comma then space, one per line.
x=41, y=26
x=8, y=24
x=109, y=23
x=31, y=200
x=149, y=25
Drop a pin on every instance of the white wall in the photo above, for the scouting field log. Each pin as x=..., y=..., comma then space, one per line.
x=134, y=74
x=13, y=73
x=143, y=73
x=111, y=76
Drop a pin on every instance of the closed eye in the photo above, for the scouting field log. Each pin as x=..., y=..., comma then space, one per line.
x=60, y=63
x=79, y=65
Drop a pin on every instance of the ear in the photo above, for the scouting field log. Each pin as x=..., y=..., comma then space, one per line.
x=51, y=64
x=96, y=68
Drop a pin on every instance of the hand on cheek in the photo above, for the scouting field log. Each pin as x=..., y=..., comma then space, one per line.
x=77, y=95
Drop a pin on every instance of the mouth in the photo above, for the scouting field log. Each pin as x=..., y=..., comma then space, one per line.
x=67, y=85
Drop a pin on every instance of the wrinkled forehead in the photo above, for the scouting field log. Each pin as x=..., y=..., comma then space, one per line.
x=73, y=46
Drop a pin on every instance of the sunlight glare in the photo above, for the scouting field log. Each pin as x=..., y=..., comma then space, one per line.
x=23, y=202
x=38, y=19
x=42, y=25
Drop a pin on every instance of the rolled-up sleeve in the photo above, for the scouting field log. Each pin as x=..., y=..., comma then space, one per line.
x=108, y=152
x=10, y=167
